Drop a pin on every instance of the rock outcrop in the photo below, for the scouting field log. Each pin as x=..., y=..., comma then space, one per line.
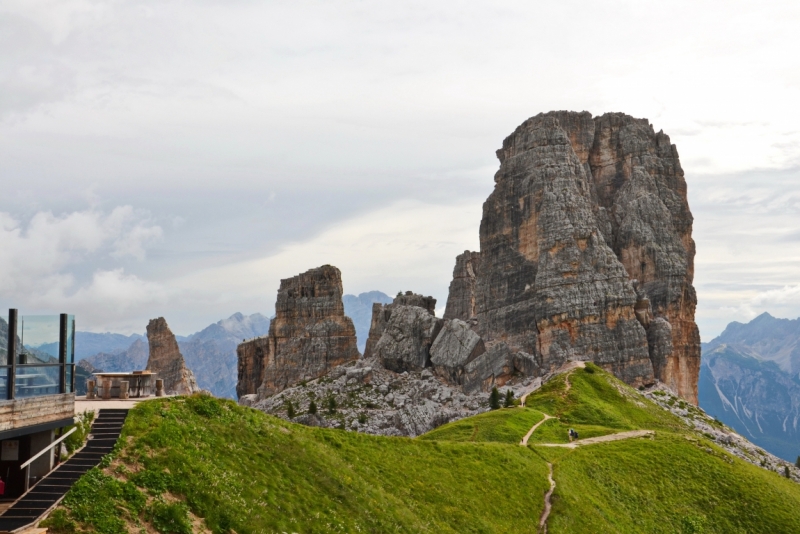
x=585, y=246
x=369, y=398
x=406, y=340
x=461, y=297
x=309, y=335
x=382, y=313
x=166, y=360
x=454, y=348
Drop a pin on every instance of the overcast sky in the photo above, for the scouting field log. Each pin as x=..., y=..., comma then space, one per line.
x=179, y=158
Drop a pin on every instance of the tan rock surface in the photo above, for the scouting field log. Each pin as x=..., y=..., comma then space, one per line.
x=167, y=361
x=309, y=335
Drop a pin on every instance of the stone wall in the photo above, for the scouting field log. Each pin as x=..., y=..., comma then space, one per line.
x=20, y=413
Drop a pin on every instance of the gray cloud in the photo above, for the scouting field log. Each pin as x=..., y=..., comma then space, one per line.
x=243, y=130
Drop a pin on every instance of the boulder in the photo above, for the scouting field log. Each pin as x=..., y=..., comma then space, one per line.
x=407, y=338
x=454, y=347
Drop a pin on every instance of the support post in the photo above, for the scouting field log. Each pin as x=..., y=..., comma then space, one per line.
x=12, y=352
x=62, y=353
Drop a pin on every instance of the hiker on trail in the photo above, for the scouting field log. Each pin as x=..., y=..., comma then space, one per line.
x=571, y=434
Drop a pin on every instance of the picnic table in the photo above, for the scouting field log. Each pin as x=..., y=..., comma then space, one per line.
x=140, y=383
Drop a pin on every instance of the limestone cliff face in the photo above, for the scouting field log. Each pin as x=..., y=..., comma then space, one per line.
x=583, y=208
x=309, y=335
x=166, y=360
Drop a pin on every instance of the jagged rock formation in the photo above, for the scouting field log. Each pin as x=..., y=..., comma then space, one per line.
x=371, y=399
x=582, y=208
x=407, y=338
x=382, y=313
x=461, y=297
x=309, y=335
x=166, y=359
x=454, y=348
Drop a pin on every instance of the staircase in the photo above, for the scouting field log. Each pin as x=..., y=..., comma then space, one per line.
x=52, y=488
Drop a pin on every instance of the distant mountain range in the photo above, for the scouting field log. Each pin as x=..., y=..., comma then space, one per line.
x=359, y=309
x=209, y=353
x=749, y=380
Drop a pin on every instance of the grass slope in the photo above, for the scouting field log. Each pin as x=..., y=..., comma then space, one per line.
x=237, y=468
x=194, y=463
x=677, y=481
x=503, y=426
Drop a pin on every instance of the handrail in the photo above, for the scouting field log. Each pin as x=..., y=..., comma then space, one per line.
x=41, y=452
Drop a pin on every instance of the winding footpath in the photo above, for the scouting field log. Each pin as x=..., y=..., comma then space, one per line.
x=572, y=445
x=524, y=441
x=547, y=503
x=601, y=439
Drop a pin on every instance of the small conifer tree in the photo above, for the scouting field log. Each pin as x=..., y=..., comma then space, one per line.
x=494, y=399
x=331, y=405
x=290, y=409
x=797, y=463
x=508, y=402
x=312, y=408
x=786, y=471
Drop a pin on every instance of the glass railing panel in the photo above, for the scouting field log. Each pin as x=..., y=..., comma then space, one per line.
x=36, y=380
x=39, y=338
x=3, y=383
x=70, y=339
x=70, y=371
x=4, y=341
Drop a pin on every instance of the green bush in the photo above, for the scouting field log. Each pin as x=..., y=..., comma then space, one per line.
x=59, y=523
x=84, y=425
x=156, y=482
x=362, y=418
x=312, y=408
x=331, y=405
x=289, y=409
x=169, y=518
x=204, y=405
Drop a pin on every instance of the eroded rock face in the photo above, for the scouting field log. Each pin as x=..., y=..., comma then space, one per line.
x=309, y=335
x=582, y=208
x=455, y=347
x=382, y=313
x=461, y=297
x=167, y=361
x=407, y=338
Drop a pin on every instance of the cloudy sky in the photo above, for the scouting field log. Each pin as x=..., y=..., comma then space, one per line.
x=178, y=158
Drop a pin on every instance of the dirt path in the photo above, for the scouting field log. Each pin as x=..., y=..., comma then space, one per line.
x=547, y=504
x=524, y=441
x=571, y=366
x=601, y=439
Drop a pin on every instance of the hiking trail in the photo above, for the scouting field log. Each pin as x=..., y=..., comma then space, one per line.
x=524, y=441
x=547, y=504
x=601, y=439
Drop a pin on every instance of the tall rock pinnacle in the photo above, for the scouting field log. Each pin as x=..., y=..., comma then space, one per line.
x=586, y=251
x=167, y=361
x=309, y=335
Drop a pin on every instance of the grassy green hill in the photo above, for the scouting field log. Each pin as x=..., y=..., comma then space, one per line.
x=202, y=464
